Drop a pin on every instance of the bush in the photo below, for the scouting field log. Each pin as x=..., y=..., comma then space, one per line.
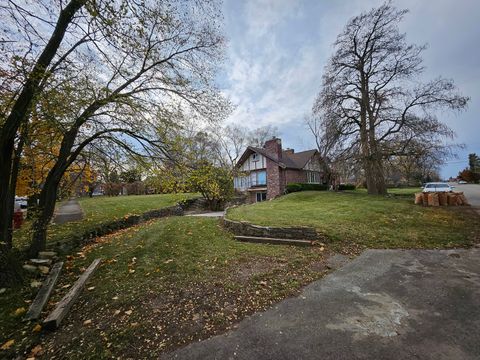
x=346, y=187
x=294, y=187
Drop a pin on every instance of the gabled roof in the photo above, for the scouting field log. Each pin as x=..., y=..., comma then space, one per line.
x=288, y=160
x=297, y=160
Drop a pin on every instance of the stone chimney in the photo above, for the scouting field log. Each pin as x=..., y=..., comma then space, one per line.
x=288, y=151
x=274, y=147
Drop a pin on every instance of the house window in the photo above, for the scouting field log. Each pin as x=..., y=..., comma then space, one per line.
x=255, y=157
x=313, y=177
x=261, y=196
x=261, y=178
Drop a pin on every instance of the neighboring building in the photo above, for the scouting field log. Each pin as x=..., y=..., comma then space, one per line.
x=264, y=172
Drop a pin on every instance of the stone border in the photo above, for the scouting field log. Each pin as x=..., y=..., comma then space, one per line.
x=112, y=226
x=297, y=232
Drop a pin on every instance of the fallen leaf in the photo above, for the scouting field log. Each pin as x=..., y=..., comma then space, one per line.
x=116, y=312
x=91, y=288
x=131, y=271
x=168, y=261
x=20, y=311
x=7, y=345
x=37, y=328
x=134, y=324
x=115, y=298
x=128, y=312
x=87, y=322
x=37, y=350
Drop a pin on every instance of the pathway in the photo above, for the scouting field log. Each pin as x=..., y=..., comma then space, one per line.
x=68, y=211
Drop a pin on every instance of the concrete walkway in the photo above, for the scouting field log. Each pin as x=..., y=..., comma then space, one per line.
x=209, y=214
x=68, y=211
x=386, y=304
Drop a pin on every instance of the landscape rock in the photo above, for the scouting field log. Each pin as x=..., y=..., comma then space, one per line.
x=47, y=254
x=40, y=261
x=30, y=268
x=44, y=269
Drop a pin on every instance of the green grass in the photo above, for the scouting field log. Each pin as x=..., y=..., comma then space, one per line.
x=366, y=220
x=100, y=210
x=184, y=278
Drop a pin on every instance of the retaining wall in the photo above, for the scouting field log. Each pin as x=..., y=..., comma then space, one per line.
x=247, y=229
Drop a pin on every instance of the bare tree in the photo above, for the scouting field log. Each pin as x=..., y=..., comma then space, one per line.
x=371, y=97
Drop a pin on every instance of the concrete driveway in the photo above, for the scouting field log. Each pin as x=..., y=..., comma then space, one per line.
x=385, y=304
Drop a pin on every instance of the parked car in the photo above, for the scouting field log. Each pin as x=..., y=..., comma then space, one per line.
x=462, y=182
x=437, y=187
x=20, y=202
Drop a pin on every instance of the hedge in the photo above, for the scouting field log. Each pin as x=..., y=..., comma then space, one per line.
x=294, y=187
x=346, y=187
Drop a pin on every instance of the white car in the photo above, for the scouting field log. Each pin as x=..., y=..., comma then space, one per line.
x=462, y=182
x=20, y=202
x=437, y=187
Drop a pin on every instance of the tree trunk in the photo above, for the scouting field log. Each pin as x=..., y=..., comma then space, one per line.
x=46, y=207
x=19, y=114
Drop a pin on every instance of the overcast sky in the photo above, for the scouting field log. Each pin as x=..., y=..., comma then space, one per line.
x=278, y=48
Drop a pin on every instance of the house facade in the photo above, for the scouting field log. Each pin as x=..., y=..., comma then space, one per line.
x=263, y=173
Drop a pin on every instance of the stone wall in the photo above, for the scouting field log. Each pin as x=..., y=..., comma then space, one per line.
x=247, y=229
x=112, y=226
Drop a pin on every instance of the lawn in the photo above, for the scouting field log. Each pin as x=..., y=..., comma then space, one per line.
x=101, y=210
x=366, y=220
x=162, y=284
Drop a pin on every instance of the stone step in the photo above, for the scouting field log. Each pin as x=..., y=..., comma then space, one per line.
x=47, y=254
x=277, y=241
x=40, y=261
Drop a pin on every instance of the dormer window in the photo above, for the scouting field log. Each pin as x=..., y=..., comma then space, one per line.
x=255, y=157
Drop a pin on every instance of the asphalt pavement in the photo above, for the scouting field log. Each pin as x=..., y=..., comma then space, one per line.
x=472, y=192
x=385, y=304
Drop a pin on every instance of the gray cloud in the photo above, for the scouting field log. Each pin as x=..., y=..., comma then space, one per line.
x=278, y=49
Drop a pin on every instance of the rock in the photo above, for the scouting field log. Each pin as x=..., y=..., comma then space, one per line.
x=30, y=268
x=2, y=290
x=44, y=269
x=47, y=254
x=40, y=261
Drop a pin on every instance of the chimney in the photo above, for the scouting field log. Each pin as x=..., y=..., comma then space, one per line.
x=274, y=147
x=288, y=151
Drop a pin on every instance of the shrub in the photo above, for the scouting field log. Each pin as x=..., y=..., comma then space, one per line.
x=294, y=187
x=346, y=187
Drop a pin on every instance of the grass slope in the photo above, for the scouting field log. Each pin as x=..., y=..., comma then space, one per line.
x=370, y=221
x=163, y=284
x=100, y=210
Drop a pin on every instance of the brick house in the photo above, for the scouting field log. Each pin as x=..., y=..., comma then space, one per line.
x=263, y=173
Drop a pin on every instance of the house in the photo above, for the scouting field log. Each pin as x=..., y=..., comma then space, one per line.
x=263, y=173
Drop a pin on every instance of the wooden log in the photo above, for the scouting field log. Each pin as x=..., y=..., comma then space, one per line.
x=44, y=293
x=58, y=314
x=443, y=199
x=418, y=198
x=433, y=199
